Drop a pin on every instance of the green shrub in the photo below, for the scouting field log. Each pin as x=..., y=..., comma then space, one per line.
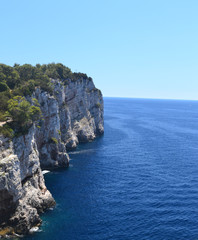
x=7, y=131
x=21, y=111
x=3, y=87
x=53, y=140
x=2, y=117
x=98, y=105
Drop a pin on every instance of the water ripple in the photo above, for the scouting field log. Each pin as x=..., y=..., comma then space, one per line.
x=137, y=182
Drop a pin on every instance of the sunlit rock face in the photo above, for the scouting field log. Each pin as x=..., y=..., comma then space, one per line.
x=23, y=193
x=73, y=114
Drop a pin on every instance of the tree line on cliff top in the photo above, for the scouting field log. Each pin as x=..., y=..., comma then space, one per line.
x=20, y=81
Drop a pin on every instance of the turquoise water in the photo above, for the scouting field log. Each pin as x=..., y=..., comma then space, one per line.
x=139, y=181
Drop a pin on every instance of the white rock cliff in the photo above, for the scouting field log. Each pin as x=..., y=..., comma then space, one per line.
x=73, y=114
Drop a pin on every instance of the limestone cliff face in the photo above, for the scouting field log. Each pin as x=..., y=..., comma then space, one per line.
x=73, y=114
x=23, y=193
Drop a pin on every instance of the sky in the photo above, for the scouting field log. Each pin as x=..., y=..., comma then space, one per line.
x=131, y=48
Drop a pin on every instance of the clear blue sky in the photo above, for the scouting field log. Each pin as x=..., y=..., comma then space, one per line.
x=131, y=48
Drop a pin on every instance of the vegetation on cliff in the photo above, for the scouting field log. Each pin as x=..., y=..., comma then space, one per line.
x=20, y=81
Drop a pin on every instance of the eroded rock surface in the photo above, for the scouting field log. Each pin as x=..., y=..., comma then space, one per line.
x=73, y=114
x=23, y=194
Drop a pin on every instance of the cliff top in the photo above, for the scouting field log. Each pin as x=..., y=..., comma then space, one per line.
x=20, y=81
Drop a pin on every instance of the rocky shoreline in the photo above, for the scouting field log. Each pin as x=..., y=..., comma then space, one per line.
x=73, y=114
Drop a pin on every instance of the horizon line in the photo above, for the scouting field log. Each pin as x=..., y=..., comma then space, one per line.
x=177, y=99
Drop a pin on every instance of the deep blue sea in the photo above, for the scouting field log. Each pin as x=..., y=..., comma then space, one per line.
x=137, y=182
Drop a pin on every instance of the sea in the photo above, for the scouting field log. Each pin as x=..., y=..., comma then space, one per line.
x=139, y=181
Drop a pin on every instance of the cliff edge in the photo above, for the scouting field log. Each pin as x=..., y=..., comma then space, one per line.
x=72, y=114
